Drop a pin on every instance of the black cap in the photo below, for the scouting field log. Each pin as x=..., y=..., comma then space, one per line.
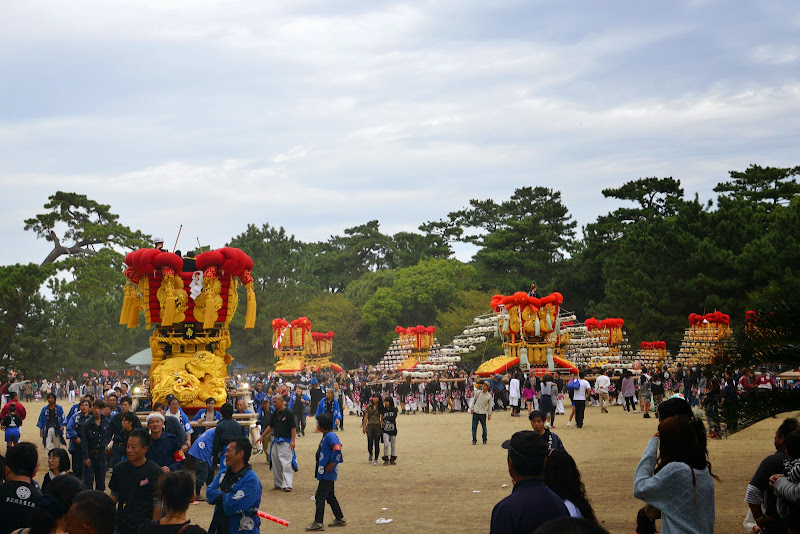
x=527, y=443
x=170, y=398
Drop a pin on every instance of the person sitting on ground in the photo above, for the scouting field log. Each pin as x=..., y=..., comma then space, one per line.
x=58, y=464
x=92, y=512
x=562, y=476
x=52, y=508
x=176, y=492
x=531, y=503
x=537, y=419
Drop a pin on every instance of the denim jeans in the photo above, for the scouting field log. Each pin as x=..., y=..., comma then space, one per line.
x=478, y=418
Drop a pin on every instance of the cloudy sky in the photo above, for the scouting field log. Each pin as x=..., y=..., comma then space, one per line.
x=321, y=115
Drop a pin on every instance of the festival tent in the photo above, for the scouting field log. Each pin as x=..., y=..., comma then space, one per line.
x=141, y=359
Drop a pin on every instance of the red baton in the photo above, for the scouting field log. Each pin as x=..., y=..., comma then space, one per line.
x=265, y=515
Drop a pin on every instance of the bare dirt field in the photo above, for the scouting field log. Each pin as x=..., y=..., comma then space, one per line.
x=443, y=483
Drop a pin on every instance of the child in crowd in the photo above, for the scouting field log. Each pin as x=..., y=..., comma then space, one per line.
x=787, y=486
x=329, y=456
x=11, y=424
x=389, y=427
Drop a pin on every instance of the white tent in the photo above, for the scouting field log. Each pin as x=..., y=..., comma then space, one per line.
x=141, y=360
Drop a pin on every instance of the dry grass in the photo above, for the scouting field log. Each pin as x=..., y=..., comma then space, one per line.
x=431, y=489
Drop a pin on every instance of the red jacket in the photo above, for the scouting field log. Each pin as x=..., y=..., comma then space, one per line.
x=20, y=409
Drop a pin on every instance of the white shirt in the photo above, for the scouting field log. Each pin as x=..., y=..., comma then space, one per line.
x=513, y=388
x=580, y=393
x=602, y=383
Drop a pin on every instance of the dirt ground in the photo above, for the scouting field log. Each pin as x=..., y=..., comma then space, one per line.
x=443, y=483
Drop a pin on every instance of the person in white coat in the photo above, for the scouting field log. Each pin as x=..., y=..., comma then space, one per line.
x=514, y=395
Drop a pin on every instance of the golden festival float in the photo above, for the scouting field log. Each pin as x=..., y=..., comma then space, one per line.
x=191, y=305
x=532, y=335
x=653, y=354
x=603, y=345
x=297, y=347
x=703, y=339
x=416, y=343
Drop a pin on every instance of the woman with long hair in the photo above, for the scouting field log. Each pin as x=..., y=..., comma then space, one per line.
x=562, y=476
x=371, y=426
x=674, y=476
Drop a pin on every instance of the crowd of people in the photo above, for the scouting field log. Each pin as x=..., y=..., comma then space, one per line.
x=151, y=491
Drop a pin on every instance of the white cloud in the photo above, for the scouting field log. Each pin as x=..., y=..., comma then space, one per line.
x=318, y=116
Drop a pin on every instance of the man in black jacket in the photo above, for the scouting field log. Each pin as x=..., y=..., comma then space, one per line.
x=94, y=440
x=227, y=430
x=116, y=433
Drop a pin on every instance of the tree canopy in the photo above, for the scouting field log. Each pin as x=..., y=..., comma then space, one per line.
x=652, y=260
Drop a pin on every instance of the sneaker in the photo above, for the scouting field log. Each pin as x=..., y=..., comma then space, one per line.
x=287, y=490
x=315, y=526
x=375, y=462
x=569, y=423
x=338, y=522
x=547, y=425
x=474, y=442
x=370, y=459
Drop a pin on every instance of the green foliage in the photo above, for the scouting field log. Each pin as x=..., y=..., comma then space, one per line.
x=76, y=328
x=520, y=240
x=337, y=313
x=416, y=296
x=762, y=185
x=85, y=224
x=451, y=323
x=652, y=260
x=19, y=284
